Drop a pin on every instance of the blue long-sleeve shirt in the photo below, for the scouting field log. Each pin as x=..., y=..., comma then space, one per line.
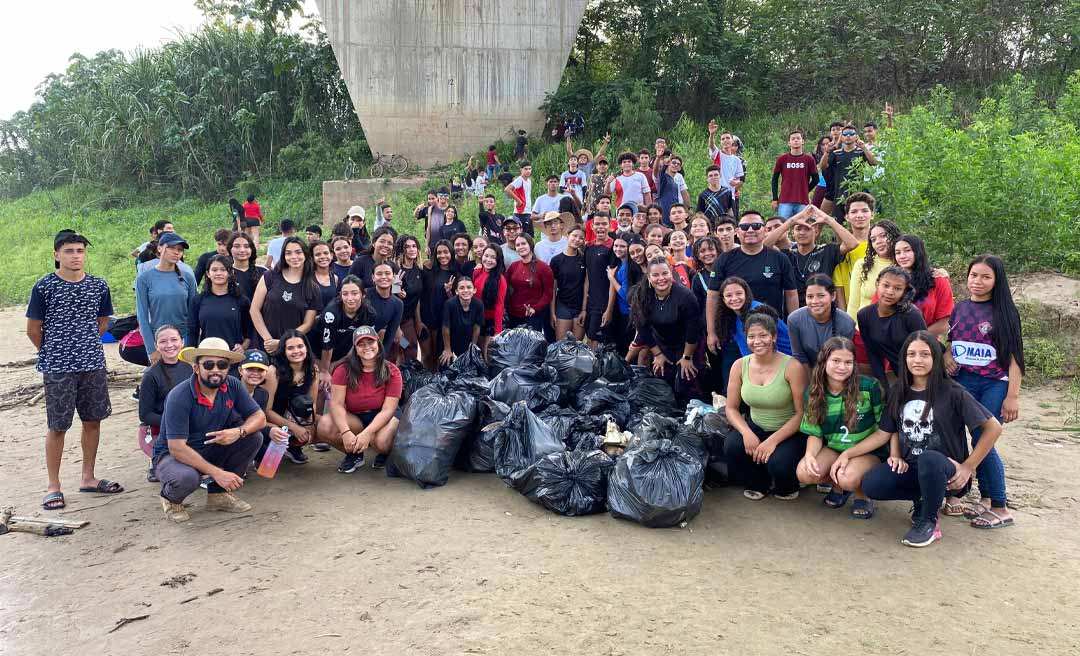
x=163, y=298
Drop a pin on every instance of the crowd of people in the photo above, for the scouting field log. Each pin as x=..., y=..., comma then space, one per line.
x=843, y=359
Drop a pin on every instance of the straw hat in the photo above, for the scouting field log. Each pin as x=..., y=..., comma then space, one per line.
x=214, y=347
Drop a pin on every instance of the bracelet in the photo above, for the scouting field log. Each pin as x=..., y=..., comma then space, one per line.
x=347, y=430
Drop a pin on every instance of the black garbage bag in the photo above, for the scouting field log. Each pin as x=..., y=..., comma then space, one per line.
x=474, y=385
x=654, y=393
x=516, y=347
x=469, y=364
x=589, y=430
x=656, y=485
x=639, y=371
x=712, y=427
x=520, y=442
x=600, y=397
x=414, y=376
x=434, y=424
x=612, y=365
x=574, y=362
x=572, y=483
x=654, y=427
x=560, y=421
x=477, y=452
x=530, y=383
x=589, y=442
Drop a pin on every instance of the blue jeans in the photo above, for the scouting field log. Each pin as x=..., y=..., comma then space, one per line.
x=991, y=471
x=492, y=172
x=787, y=210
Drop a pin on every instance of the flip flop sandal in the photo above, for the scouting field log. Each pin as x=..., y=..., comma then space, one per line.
x=862, y=509
x=753, y=495
x=953, y=509
x=983, y=522
x=104, y=486
x=974, y=510
x=836, y=498
x=53, y=501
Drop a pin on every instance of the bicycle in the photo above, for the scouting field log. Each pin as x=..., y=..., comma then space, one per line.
x=394, y=164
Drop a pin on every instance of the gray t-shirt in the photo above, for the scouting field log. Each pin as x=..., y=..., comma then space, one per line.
x=808, y=336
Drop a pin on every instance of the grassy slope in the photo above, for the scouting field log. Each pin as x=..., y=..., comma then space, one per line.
x=28, y=224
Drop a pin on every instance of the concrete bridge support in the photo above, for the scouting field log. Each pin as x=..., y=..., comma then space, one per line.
x=435, y=79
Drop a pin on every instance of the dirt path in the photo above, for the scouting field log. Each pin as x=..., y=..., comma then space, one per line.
x=327, y=563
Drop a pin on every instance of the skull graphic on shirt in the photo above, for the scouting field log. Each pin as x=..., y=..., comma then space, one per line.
x=915, y=430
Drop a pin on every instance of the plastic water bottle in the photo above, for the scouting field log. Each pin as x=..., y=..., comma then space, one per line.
x=272, y=458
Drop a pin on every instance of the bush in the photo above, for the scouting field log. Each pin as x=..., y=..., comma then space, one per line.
x=1044, y=358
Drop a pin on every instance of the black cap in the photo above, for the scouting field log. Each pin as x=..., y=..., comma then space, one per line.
x=171, y=239
x=255, y=358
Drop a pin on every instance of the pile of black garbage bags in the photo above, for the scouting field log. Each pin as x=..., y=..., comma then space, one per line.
x=536, y=416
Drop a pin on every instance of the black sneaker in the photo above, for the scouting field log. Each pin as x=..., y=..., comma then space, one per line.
x=916, y=510
x=351, y=462
x=151, y=477
x=379, y=462
x=321, y=447
x=923, y=534
x=296, y=455
x=135, y=395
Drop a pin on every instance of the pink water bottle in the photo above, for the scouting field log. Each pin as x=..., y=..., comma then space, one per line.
x=272, y=457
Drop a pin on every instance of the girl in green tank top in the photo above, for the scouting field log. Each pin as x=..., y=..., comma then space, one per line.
x=765, y=450
x=842, y=409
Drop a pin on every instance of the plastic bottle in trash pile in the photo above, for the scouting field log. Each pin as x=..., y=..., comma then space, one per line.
x=272, y=457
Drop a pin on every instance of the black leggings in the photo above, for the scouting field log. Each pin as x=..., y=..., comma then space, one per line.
x=924, y=482
x=779, y=471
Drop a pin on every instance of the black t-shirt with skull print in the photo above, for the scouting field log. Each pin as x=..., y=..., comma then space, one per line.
x=942, y=427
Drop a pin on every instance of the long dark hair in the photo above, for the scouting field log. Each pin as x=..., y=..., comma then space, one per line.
x=642, y=296
x=356, y=368
x=936, y=382
x=532, y=250
x=726, y=317
x=160, y=364
x=281, y=362
x=922, y=279
x=696, y=249
x=251, y=245
x=1006, y=336
x=634, y=271
x=892, y=231
x=817, y=407
x=307, y=271
x=822, y=280
x=230, y=283
x=491, y=286
x=434, y=261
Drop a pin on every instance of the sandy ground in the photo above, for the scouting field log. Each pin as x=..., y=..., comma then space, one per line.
x=327, y=563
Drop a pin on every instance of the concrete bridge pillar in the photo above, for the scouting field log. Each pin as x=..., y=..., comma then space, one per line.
x=435, y=79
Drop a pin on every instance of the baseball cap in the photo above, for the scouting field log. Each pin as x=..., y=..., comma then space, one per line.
x=512, y=219
x=631, y=206
x=364, y=332
x=171, y=239
x=255, y=359
x=356, y=210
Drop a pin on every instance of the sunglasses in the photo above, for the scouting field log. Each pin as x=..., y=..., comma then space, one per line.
x=848, y=133
x=443, y=195
x=751, y=226
x=210, y=365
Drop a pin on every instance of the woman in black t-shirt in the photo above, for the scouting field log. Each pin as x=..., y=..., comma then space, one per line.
x=220, y=310
x=350, y=310
x=325, y=278
x=381, y=250
x=159, y=379
x=247, y=274
x=286, y=298
x=463, y=321
x=438, y=279
x=925, y=424
x=462, y=246
x=411, y=286
x=571, y=287
x=294, y=374
x=886, y=324
x=667, y=319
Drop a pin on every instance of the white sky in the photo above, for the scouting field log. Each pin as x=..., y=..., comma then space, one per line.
x=40, y=36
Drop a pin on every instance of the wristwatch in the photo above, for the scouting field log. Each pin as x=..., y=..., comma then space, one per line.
x=243, y=433
x=687, y=357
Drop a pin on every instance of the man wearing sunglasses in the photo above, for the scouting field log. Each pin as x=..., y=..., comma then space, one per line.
x=210, y=427
x=766, y=270
x=836, y=165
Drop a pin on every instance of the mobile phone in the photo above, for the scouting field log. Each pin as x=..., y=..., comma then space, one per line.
x=403, y=343
x=396, y=289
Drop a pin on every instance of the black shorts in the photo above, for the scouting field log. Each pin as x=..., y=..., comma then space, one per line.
x=252, y=223
x=593, y=321
x=565, y=312
x=85, y=391
x=489, y=327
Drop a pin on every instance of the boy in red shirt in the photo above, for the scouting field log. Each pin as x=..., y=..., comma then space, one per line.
x=794, y=175
x=253, y=219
